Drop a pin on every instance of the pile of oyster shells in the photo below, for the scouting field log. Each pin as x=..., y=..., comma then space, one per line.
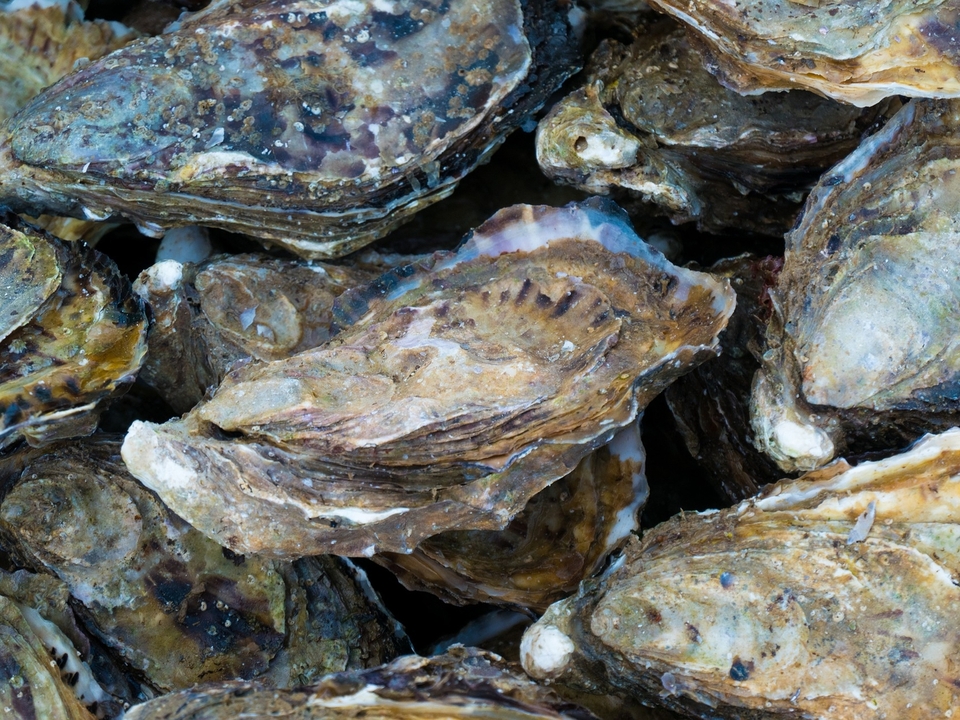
x=198, y=433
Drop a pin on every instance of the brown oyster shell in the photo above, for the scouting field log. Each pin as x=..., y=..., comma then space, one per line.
x=859, y=54
x=458, y=389
x=463, y=683
x=311, y=125
x=209, y=316
x=652, y=124
x=563, y=535
x=832, y=596
x=172, y=605
x=864, y=342
x=711, y=404
x=75, y=336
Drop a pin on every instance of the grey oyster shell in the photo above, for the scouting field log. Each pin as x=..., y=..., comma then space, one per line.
x=457, y=390
x=311, y=124
x=652, y=124
x=463, y=683
x=563, y=535
x=864, y=342
x=856, y=53
x=72, y=335
x=832, y=597
x=172, y=605
x=711, y=404
x=209, y=316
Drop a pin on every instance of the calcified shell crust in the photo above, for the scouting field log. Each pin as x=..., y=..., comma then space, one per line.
x=207, y=317
x=464, y=682
x=832, y=596
x=172, y=605
x=652, y=123
x=458, y=389
x=856, y=53
x=867, y=309
x=315, y=125
x=563, y=535
x=75, y=335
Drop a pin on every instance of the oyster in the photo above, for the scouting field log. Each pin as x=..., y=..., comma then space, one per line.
x=171, y=604
x=858, y=54
x=563, y=535
x=651, y=123
x=72, y=335
x=310, y=124
x=864, y=342
x=832, y=596
x=463, y=683
x=711, y=405
x=457, y=390
x=207, y=317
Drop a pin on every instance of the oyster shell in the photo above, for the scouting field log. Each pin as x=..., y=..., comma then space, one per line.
x=457, y=390
x=711, y=405
x=858, y=54
x=563, y=535
x=74, y=335
x=173, y=605
x=207, y=317
x=832, y=596
x=464, y=683
x=651, y=123
x=864, y=342
x=310, y=124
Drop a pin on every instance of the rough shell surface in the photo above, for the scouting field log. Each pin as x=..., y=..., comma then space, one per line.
x=464, y=683
x=75, y=335
x=173, y=605
x=207, y=317
x=457, y=390
x=563, y=535
x=853, y=52
x=315, y=125
x=864, y=340
x=831, y=596
x=651, y=123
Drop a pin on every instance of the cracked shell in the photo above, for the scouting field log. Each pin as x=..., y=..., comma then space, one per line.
x=75, y=336
x=864, y=341
x=173, y=606
x=314, y=125
x=457, y=390
x=652, y=124
x=463, y=683
x=832, y=596
x=855, y=53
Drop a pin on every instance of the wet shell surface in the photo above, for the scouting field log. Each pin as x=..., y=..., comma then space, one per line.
x=856, y=53
x=173, y=606
x=831, y=596
x=651, y=123
x=864, y=341
x=74, y=336
x=456, y=391
x=463, y=683
x=314, y=125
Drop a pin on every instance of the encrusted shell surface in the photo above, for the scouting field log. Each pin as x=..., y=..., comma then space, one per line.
x=457, y=390
x=832, y=596
x=174, y=606
x=463, y=683
x=562, y=536
x=75, y=335
x=857, y=53
x=209, y=316
x=316, y=125
x=864, y=341
x=651, y=123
